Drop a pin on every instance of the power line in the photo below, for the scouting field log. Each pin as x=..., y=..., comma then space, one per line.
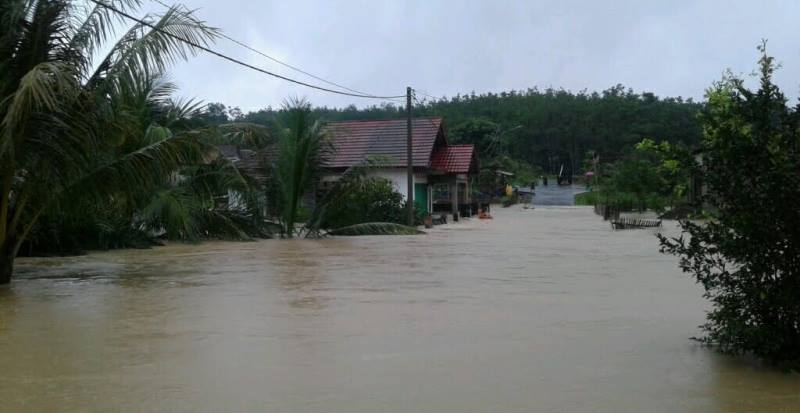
x=425, y=94
x=414, y=96
x=297, y=69
x=234, y=60
x=428, y=118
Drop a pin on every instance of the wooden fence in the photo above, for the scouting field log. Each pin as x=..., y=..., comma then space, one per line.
x=607, y=211
x=633, y=223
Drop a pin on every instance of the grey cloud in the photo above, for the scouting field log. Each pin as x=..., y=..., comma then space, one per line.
x=448, y=47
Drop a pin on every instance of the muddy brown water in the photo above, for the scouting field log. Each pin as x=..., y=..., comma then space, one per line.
x=543, y=310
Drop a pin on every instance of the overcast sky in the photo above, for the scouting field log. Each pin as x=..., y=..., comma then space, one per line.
x=443, y=47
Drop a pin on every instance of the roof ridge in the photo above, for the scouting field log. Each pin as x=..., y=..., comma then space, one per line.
x=454, y=158
x=385, y=120
x=355, y=140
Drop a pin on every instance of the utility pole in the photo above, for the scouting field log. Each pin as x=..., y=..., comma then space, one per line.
x=409, y=160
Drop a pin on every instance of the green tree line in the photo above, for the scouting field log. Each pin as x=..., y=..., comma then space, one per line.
x=541, y=128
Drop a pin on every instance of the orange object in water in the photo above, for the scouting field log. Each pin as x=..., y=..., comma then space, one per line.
x=483, y=214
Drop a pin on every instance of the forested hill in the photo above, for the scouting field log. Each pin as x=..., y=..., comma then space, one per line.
x=546, y=128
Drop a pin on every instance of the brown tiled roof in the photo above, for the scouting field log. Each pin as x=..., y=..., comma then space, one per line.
x=254, y=163
x=228, y=151
x=354, y=142
x=459, y=159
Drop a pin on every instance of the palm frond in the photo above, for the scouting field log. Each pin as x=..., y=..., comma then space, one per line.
x=59, y=147
x=91, y=26
x=110, y=135
x=375, y=228
x=12, y=12
x=182, y=109
x=223, y=225
x=146, y=49
x=215, y=178
x=44, y=33
x=155, y=89
x=239, y=134
x=45, y=88
x=140, y=111
x=156, y=133
x=302, y=147
x=172, y=211
x=182, y=213
x=40, y=89
x=12, y=28
x=347, y=183
x=144, y=168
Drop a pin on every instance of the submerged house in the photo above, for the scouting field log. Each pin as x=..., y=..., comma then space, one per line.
x=443, y=173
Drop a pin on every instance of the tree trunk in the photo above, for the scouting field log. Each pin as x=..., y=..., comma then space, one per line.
x=6, y=265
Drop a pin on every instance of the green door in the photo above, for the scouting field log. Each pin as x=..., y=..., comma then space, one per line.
x=421, y=196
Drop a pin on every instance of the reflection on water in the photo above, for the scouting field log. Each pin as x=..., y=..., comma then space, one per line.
x=536, y=310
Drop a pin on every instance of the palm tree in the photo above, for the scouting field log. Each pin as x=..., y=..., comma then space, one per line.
x=63, y=130
x=301, y=148
x=187, y=207
x=296, y=175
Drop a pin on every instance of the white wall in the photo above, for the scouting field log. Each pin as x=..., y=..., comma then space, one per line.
x=397, y=177
x=394, y=175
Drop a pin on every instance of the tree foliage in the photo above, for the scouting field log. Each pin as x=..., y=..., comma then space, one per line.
x=541, y=128
x=745, y=253
x=88, y=126
x=651, y=176
x=369, y=200
x=297, y=169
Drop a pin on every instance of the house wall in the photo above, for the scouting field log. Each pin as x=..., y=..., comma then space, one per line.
x=397, y=177
x=394, y=175
x=234, y=200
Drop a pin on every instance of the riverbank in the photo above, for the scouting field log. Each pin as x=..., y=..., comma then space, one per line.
x=535, y=310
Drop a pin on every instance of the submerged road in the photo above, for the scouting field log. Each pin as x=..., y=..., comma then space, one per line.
x=542, y=310
x=556, y=195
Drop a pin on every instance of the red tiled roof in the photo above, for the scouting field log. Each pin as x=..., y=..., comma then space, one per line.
x=353, y=142
x=454, y=159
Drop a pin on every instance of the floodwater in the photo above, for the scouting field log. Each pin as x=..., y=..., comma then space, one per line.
x=542, y=310
x=554, y=194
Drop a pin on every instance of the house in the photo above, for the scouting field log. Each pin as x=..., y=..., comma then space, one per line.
x=443, y=173
x=249, y=163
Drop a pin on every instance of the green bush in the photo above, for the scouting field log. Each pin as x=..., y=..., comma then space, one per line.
x=587, y=198
x=745, y=254
x=374, y=200
x=625, y=201
x=652, y=176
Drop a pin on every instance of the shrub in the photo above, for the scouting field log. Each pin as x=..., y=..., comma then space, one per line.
x=746, y=254
x=373, y=200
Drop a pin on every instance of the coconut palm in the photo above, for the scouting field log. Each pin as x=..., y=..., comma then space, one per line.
x=191, y=206
x=297, y=172
x=64, y=126
x=301, y=148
